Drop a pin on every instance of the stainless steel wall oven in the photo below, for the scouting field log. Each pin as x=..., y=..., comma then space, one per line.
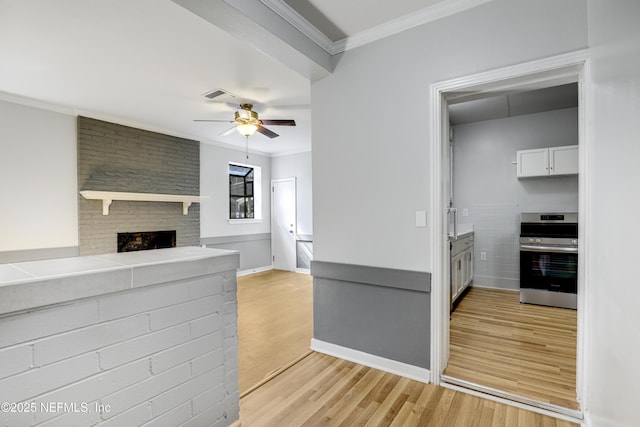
x=549, y=259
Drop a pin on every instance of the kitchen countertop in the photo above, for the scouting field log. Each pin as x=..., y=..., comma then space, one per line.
x=464, y=230
x=27, y=285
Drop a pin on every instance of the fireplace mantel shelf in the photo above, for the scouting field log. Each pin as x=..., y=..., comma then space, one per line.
x=109, y=196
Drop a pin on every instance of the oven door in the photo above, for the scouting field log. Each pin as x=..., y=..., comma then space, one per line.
x=549, y=268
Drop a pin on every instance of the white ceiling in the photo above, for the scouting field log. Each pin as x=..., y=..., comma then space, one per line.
x=147, y=63
x=514, y=103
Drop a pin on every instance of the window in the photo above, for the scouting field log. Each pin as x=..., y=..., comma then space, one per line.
x=244, y=192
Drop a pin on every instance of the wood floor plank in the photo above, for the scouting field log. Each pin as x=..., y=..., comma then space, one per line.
x=275, y=322
x=368, y=397
x=524, y=349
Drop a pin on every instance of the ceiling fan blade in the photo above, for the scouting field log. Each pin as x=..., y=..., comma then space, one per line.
x=227, y=132
x=278, y=122
x=214, y=121
x=266, y=132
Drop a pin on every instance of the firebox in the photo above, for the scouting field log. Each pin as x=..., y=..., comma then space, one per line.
x=146, y=240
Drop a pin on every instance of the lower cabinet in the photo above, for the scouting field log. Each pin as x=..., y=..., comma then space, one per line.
x=461, y=266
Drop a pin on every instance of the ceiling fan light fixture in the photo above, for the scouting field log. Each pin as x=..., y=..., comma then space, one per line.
x=247, y=129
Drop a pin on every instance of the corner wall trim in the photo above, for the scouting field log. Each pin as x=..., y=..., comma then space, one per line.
x=419, y=281
x=387, y=365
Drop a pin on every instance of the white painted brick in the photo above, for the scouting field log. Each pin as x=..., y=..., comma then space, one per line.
x=88, y=418
x=172, y=418
x=230, y=283
x=145, y=345
x=232, y=406
x=231, y=308
x=185, y=352
x=203, y=401
x=141, y=300
x=17, y=359
x=135, y=416
x=207, y=286
x=93, y=388
x=40, y=380
x=230, y=330
x=93, y=337
x=37, y=324
x=208, y=417
x=185, y=312
x=185, y=392
x=207, y=362
x=230, y=296
x=206, y=325
x=16, y=419
x=147, y=389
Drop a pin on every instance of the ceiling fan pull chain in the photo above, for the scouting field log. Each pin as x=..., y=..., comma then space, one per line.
x=246, y=145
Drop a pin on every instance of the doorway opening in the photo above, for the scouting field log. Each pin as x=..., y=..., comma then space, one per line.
x=536, y=75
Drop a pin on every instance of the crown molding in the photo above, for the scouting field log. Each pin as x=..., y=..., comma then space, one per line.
x=406, y=22
x=299, y=22
x=420, y=17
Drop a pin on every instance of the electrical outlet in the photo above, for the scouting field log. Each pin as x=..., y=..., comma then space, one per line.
x=483, y=256
x=465, y=212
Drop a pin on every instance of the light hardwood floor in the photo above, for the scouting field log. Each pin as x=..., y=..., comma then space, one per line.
x=275, y=322
x=275, y=327
x=524, y=349
x=323, y=390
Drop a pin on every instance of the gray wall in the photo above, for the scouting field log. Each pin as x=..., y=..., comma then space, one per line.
x=254, y=249
x=298, y=166
x=39, y=179
x=379, y=311
x=612, y=346
x=485, y=183
x=369, y=180
x=113, y=157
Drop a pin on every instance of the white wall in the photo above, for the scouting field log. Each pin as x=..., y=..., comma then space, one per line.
x=38, y=176
x=613, y=347
x=298, y=166
x=371, y=122
x=214, y=184
x=485, y=183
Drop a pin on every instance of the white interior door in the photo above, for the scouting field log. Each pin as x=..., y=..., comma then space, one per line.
x=283, y=223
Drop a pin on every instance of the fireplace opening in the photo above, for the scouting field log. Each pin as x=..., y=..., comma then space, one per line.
x=146, y=240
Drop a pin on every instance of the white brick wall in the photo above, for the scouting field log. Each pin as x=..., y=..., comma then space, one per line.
x=157, y=355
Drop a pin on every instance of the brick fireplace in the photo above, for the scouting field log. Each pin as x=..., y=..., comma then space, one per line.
x=113, y=157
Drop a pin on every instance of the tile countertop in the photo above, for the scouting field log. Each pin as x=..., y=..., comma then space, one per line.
x=31, y=284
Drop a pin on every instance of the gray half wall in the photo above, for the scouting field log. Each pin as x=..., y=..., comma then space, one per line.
x=255, y=249
x=380, y=311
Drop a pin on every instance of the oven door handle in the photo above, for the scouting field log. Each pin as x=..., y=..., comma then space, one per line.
x=558, y=249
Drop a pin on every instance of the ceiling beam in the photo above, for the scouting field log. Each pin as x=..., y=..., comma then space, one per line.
x=259, y=26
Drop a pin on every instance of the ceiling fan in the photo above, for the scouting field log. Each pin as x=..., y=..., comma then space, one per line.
x=247, y=123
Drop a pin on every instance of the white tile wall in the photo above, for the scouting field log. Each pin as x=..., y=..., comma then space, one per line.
x=160, y=355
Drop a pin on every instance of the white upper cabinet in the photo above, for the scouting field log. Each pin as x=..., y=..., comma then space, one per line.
x=548, y=161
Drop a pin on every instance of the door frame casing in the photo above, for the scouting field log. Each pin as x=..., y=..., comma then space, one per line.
x=570, y=67
x=295, y=216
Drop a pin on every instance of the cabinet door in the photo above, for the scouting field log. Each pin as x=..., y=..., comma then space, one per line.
x=457, y=275
x=563, y=160
x=468, y=259
x=533, y=162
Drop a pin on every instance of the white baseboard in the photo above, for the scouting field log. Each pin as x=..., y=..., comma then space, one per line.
x=303, y=270
x=254, y=270
x=387, y=365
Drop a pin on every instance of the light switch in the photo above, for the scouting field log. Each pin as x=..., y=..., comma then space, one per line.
x=421, y=218
x=465, y=212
